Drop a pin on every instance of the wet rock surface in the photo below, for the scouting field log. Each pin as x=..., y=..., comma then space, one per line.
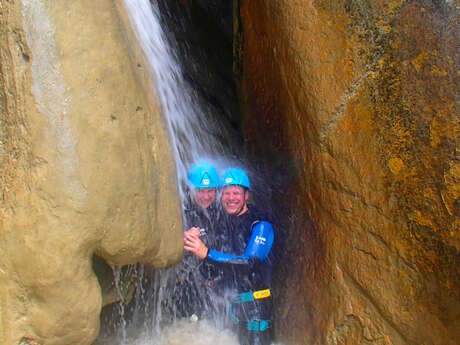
x=85, y=168
x=357, y=103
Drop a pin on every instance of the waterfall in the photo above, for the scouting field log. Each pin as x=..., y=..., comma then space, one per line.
x=194, y=134
x=193, y=131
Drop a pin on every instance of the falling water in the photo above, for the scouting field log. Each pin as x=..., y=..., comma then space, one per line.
x=194, y=134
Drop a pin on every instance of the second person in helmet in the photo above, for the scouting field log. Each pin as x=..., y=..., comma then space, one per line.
x=201, y=213
x=203, y=181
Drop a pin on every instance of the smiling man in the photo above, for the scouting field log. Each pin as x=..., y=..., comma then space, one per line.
x=234, y=200
x=249, y=259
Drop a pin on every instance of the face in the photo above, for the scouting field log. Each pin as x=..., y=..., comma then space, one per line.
x=205, y=196
x=234, y=200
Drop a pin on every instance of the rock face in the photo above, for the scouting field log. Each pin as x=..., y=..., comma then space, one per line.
x=360, y=100
x=85, y=167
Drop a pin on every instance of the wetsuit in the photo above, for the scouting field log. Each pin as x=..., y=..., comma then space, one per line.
x=195, y=277
x=250, y=238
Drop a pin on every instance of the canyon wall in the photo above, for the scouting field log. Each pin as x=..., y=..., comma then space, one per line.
x=85, y=167
x=355, y=104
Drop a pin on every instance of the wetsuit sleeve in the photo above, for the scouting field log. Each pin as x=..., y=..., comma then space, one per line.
x=258, y=247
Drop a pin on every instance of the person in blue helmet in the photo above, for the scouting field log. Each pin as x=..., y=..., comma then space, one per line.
x=250, y=237
x=201, y=213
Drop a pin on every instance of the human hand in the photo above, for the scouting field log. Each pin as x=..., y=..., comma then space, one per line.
x=193, y=231
x=193, y=244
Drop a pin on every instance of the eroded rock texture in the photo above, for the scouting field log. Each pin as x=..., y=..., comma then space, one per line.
x=85, y=167
x=360, y=100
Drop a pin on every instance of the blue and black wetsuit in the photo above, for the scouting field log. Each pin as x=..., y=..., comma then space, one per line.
x=249, y=271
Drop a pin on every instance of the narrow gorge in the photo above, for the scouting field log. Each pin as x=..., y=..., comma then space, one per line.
x=347, y=111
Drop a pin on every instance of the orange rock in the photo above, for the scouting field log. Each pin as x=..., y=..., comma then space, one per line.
x=359, y=98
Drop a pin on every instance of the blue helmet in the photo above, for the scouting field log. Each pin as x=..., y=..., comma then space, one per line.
x=235, y=176
x=203, y=175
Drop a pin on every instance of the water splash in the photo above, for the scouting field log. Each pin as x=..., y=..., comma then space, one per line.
x=181, y=332
x=190, y=333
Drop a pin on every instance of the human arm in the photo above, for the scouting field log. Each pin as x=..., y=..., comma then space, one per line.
x=258, y=247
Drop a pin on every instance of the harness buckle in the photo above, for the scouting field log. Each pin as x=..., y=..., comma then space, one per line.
x=261, y=294
x=244, y=297
x=258, y=325
x=250, y=296
x=254, y=325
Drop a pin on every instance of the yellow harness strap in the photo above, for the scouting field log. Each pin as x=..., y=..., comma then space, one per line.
x=261, y=294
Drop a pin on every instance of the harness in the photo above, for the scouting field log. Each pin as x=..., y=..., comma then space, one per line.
x=254, y=325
